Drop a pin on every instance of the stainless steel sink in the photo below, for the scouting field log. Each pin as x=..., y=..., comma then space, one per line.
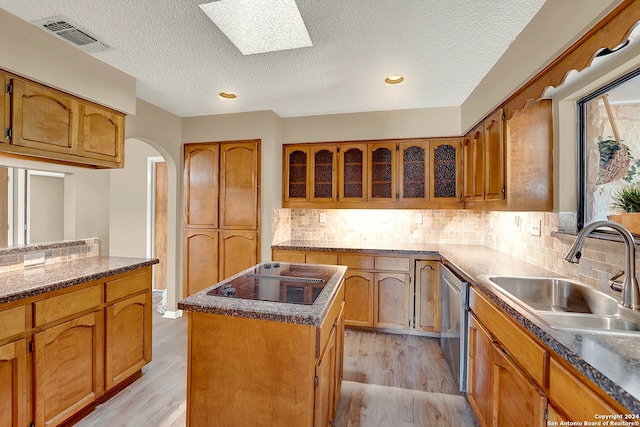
x=566, y=304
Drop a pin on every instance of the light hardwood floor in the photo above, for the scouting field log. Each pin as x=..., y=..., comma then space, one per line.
x=389, y=381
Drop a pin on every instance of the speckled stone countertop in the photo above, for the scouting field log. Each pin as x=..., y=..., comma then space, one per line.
x=611, y=361
x=19, y=284
x=312, y=314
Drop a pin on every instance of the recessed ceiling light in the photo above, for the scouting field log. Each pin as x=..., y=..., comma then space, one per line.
x=227, y=95
x=394, y=79
x=258, y=26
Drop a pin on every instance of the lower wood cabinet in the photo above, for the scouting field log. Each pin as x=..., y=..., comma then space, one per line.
x=68, y=368
x=427, y=295
x=514, y=380
x=358, y=296
x=391, y=296
x=128, y=338
x=13, y=384
x=60, y=352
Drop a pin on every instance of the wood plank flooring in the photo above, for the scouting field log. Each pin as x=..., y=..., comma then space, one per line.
x=389, y=381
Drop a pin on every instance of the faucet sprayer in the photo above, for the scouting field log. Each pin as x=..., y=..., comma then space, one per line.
x=630, y=290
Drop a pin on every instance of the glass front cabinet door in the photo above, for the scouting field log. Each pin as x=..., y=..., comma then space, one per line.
x=324, y=162
x=414, y=171
x=296, y=173
x=353, y=170
x=382, y=171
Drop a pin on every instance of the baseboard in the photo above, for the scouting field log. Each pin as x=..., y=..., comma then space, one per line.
x=172, y=314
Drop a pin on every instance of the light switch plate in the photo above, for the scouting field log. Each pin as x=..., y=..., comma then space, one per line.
x=323, y=217
x=536, y=227
x=417, y=218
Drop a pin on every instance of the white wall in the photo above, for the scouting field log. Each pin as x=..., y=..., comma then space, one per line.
x=30, y=52
x=46, y=208
x=128, y=202
x=557, y=25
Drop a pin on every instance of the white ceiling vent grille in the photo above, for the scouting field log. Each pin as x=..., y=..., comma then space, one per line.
x=73, y=34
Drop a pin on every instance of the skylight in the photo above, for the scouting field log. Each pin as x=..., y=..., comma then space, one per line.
x=258, y=26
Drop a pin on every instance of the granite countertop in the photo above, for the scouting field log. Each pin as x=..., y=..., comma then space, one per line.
x=37, y=280
x=611, y=361
x=312, y=314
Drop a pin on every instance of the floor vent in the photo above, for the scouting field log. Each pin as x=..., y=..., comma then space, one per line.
x=73, y=34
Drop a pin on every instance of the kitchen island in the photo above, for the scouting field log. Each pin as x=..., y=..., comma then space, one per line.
x=271, y=357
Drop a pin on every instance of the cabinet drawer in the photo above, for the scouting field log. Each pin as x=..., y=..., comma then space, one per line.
x=361, y=262
x=12, y=322
x=120, y=288
x=392, y=264
x=287, y=256
x=531, y=356
x=61, y=306
x=577, y=400
x=321, y=258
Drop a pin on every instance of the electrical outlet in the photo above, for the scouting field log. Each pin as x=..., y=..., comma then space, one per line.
x=323, y=217
x=517, y=223
x=536, y=226
x=417, y=218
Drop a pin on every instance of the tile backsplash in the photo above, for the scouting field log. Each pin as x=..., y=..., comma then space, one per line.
x=508, y=232
x=13, y=258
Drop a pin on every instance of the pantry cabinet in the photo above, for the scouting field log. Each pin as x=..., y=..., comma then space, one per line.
x=51, y=124
x=222, y=211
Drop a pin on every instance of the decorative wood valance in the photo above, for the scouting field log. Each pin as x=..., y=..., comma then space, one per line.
x=613, y=30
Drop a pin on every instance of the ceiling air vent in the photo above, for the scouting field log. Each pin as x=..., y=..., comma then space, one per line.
x=73, y=34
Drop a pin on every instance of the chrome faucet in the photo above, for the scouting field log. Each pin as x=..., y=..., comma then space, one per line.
x=630, y=290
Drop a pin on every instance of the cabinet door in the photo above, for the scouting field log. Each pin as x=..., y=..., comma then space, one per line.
x=473, y=159
x=200, y=260
x=324, y=173
x=325, y=383
x=43, y=119
x=517, y=401
x=353, y=173
x=358, y=298
x=68, y=357
x=339, y=359
x=427, y=314
x=494, y=168
x=414, y=171
x=101, y=134
x=382, y=172
x=296, y=173
x=13, y=384
x=4, y=108
x=479, y=371
x=238, y=251
x=446, y=170
x=128, y=338
x=239, y=177
x=201, y=185
x=391, y=300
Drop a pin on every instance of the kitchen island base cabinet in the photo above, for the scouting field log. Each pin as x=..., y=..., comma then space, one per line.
x=246, y=372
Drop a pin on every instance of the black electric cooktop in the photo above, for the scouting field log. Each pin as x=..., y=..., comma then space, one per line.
x=281, y=282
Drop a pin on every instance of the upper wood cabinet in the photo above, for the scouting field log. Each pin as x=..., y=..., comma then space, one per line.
x=324, y=166
x=4, y=108
x=352, y=173
x=101, y=133
x=296, y=173
x=414, y=171
x=381, y=180
x=446, y=171
x=494, y=171
x=410, y=173
x=51, y=124
x=473, y=165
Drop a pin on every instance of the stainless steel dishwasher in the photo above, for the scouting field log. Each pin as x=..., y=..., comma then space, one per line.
x=454, y=327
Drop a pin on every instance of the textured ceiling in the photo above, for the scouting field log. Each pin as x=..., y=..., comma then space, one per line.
x=181, y=60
